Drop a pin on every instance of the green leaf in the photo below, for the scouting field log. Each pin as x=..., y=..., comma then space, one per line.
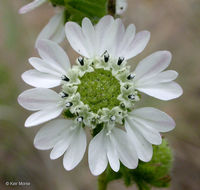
x=155, y=173
x=78, y=9
x=57, y=2
x=68, y=114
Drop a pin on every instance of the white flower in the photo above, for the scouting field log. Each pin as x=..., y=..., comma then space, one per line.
x=54, y=30
x=152, y=80
x=49, y=70
x=111, y=147
x=29, y=7
x=121, y=6
x=143, y=126
x=100, y=93
x=46, y=102
x=65, y=138
x=108, y=35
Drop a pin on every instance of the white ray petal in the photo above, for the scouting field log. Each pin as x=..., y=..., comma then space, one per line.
x=54, y=30
x=60, y=147
x=40, y=80
x=162, y=91
x=116, y=34
x=38, y=98
x=149, y=122
x=76, y=150
x=149, y=133
x=143, y=147
x=90, y=36
x=127, y=39
x=126, y=150
x=153, y=118
x=152, y=65
x=138, y=44
x=29, y=7
x=51, y=133
x=97, y=157
x=43, y=116
x=76, y=38
x=44, y=66
x=54, y=54
x=163, y=77
x=112, y=155
x=102, y=33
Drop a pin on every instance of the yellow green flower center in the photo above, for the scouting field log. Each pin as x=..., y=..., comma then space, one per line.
x=99, y=89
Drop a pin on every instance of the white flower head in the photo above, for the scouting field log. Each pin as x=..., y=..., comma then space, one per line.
x=31, y=6
x=121, y=6
x=99, y=93
x=54, y=30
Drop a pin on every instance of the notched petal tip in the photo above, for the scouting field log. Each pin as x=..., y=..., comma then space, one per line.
x=22, y=10
x=22, y=100
x=54, y=156
x=179, y=90
x=41, y=42
x=28, y=124
x=145, y=35
x=19, y=99
x=165, y=54
x=86, y=19
x=29, y=7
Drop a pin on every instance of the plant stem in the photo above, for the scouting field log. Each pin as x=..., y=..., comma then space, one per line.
x=143, y=186
x=111, y=7
x=102, y=182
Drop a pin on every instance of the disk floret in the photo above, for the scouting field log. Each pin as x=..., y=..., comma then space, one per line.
x=99, y=90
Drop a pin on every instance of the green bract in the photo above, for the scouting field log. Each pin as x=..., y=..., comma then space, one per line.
x=155, y=173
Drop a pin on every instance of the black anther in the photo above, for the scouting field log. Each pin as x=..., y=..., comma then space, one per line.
x=120, y=60
x=106, y=57
x=69, y=104
x=131, y=96
x=65, y=78
x=81, y=61
x=64, y=95
x=131, y=76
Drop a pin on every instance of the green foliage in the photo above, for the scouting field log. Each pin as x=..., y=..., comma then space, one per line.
x=155, y=173
x=97, y=129
x=93, y=9
x=57, y=2
x=68, y=114
x=76, y=10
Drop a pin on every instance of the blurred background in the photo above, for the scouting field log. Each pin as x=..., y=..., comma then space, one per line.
x=174, y=26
